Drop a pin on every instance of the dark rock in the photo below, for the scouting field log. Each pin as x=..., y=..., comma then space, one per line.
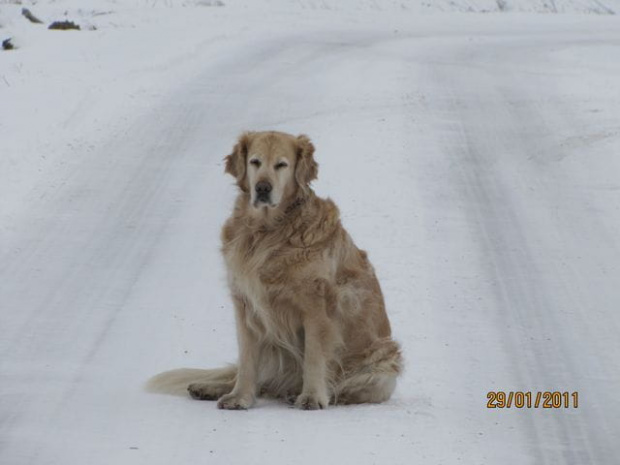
x=64, y=25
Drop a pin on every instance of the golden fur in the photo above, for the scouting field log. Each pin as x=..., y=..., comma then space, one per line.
x=311, y=321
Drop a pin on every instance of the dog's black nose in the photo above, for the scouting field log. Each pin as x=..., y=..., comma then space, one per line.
x=263, y=188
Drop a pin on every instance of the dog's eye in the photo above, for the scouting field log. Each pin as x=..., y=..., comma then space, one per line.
x=255, y=162
x=281, y=165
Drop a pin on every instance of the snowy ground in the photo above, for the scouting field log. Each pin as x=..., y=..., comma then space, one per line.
x=486, y=191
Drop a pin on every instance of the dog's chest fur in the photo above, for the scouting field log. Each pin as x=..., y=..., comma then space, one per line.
x=254, y=273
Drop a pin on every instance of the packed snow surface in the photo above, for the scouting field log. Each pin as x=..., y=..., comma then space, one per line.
x=474, y=156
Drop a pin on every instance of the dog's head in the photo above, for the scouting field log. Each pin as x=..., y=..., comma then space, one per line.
x=272, y=167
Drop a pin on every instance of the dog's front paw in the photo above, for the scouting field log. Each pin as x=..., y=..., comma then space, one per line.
x=311, y=401
x=234, y=401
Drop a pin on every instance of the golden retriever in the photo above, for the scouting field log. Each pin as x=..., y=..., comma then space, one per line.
x=310, y=316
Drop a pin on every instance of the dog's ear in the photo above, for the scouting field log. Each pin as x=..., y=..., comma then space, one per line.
x=306, y=168
x=236, y=161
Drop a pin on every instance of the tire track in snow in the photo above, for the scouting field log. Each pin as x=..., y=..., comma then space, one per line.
x=78, y=259
x=491, y=152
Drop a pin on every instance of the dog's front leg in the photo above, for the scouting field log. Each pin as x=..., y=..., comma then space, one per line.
x=243, y=394
x=319, y=342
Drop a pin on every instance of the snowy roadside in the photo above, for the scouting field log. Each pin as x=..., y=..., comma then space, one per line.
x=64, y=92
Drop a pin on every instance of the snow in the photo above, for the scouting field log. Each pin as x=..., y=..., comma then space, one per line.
x=485, y=189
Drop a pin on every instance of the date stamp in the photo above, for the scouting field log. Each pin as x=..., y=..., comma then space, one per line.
x=529, y=399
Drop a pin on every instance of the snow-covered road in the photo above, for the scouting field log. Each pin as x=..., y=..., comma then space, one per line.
x=486, y=190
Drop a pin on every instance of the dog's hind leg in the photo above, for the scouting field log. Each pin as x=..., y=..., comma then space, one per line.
x=365, y=388
x=201, y=384
x=374, y=379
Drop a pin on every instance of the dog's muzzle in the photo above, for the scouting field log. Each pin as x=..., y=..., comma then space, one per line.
x=263, y=191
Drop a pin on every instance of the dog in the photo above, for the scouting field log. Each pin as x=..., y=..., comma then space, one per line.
x=311, y=322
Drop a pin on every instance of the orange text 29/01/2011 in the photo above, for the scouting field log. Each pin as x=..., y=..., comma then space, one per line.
x=528, y=399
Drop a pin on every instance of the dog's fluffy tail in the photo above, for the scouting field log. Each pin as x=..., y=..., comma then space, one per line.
x=175, y=382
